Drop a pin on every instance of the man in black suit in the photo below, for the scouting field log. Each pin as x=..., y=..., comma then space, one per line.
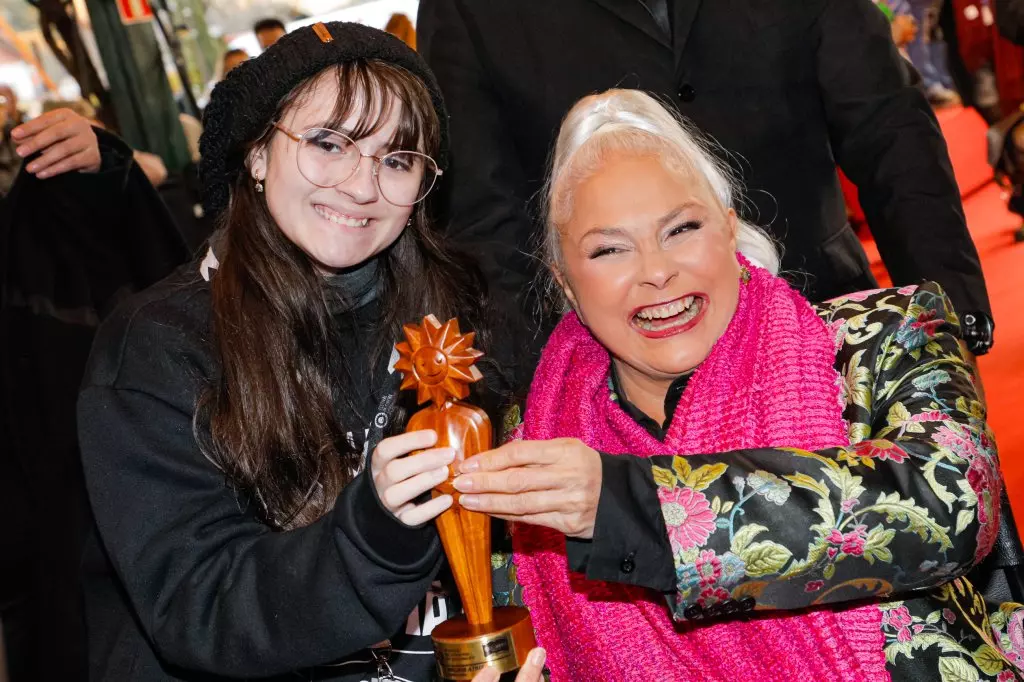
x=789, y=88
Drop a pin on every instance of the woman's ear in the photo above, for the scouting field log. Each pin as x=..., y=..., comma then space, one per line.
x=257, y=164
x=566, y=287
x=732, y=223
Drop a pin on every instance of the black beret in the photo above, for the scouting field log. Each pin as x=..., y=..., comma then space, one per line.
x=242, y=105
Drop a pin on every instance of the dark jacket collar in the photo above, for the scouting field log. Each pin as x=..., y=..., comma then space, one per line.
x=635, y=12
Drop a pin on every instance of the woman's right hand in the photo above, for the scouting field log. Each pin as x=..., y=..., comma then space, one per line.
x=399, y=479
x=532, y=670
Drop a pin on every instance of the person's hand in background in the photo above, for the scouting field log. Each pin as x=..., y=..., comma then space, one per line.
x=66, y=140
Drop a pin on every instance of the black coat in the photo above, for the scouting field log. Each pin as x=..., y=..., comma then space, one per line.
x=197, y=587
x=71, y=248
x=789, y=88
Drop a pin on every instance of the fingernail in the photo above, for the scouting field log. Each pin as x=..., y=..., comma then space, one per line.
x=537, y=657
x=43, y=175
x=441, y=474
x=31, y=168
x=469, y=501
x=463, y=484
x=21, y=151
x=17, y=132
x=469, y=465
x=449, y=456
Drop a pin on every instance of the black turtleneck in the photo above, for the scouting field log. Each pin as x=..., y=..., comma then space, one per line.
x=675, y=392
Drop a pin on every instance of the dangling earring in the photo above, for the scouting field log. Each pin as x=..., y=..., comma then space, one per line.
x=408, y=223
x=259, y=186
x=744, y=274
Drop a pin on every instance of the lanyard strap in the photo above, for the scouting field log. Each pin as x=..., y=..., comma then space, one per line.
x=382, y=417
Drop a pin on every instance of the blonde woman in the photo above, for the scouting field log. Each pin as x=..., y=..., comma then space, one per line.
x=805, y=485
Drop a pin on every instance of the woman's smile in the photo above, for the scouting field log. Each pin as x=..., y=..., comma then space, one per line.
x=668, y=319
x=339, y=218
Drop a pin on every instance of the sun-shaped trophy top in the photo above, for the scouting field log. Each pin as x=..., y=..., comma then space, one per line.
x=437, y=360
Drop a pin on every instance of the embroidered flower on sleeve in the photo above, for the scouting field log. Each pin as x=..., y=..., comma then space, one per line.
x=734, y=569
x=770, y=486
x=917, y=332
x=688, y=517
x=881, y=450
x=1015, y=634
x=953, y=437
x=709, y=567
x=851, y=543
x=899, y=619
x=984, y=481
x=712, y=595
x=928, y=381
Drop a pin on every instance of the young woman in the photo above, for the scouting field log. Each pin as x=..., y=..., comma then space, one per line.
x=805, y=483
x=228, y=412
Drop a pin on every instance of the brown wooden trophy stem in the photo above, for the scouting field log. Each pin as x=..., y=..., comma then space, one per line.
x=437, y=360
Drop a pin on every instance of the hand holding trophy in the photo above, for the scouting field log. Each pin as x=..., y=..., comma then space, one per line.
x=438, y=361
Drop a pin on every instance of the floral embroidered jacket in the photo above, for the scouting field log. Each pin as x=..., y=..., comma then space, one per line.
x=902, y=513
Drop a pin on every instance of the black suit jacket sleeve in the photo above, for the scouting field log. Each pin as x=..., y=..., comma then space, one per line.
x=212, y=587
x=887, y=140
x=486, y=214
x=630, y=543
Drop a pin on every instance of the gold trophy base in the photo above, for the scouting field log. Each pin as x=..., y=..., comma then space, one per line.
x=463, y=650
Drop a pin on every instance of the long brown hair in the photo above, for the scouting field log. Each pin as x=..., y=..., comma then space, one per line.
x=271, y=420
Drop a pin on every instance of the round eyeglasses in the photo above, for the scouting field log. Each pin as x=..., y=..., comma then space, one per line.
x=328, y=158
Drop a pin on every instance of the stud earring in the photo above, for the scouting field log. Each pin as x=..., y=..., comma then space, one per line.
x=744, y=274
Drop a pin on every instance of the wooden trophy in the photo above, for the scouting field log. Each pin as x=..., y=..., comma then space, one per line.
x=438, y=361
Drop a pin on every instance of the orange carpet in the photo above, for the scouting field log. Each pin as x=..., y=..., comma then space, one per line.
x=1002, y=259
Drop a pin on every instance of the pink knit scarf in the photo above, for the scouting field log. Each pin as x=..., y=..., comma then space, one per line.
x=769, y=381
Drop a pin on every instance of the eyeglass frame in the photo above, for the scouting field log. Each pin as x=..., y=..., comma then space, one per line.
x=377, y=160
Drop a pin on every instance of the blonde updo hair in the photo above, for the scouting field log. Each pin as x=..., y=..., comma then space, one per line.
x=633, y=121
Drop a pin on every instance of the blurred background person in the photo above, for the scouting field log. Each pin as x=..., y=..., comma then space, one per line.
x=823, y=85
x=268, y=31
x=901, y=23
x=231, y=59
x=400, y=26
x=1006, y=137
x=927, y=52
x=904, y=30
x=81, y=229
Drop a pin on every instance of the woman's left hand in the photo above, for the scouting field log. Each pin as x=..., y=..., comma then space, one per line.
x=552, y=483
